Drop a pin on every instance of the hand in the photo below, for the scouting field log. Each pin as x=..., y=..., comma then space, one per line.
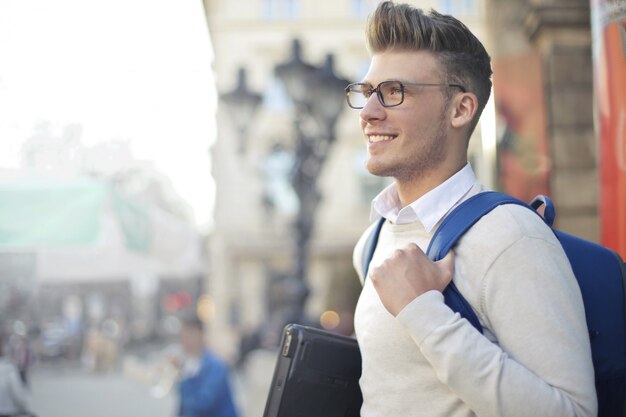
x=408, y=274
x=175, y=362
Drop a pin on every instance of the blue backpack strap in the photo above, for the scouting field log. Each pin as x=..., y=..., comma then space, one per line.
x=549, y=213
x=463, y=217
x=370, y=247
x=459, y=221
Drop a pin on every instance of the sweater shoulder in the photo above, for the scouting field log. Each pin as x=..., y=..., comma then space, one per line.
x=503, y=237
x=504, y=226
x=492, y=237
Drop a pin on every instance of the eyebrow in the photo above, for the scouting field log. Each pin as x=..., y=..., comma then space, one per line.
x=388, y=79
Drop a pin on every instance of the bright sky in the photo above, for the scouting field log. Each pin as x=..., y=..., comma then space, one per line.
x=138, y=70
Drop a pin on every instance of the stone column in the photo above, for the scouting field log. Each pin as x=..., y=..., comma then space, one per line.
x=560, y=31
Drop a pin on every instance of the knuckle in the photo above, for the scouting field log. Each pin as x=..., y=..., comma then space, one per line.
x=443, y=277
x=385, y=266
x=374, y=274
x=413, y=248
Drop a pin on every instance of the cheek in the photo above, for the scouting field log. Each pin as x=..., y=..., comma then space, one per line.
x=419, y=123
x=410, y=124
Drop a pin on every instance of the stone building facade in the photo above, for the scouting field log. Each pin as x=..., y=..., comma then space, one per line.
x=559, y=32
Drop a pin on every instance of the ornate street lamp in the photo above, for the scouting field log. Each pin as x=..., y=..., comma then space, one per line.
x=294, y=75
x=327, y=96
x=318, y=95
x=242, y=104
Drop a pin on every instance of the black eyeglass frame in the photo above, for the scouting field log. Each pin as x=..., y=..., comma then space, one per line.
x=376, y=90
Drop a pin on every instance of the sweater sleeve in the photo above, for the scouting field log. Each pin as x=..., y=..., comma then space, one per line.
x=541, y=364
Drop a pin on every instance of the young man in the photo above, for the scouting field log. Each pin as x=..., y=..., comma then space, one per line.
x=204, y=387
x=428, y=81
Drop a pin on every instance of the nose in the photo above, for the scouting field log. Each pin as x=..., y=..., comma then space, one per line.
x=373, y=110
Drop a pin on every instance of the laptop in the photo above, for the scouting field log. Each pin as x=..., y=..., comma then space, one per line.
x=317, y=375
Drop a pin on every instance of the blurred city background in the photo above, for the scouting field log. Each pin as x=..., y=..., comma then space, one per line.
x=166, y=159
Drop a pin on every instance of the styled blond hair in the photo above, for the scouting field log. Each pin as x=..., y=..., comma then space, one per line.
x=461, y=55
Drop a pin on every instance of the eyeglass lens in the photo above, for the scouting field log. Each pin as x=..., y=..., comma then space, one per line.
x=390, y=93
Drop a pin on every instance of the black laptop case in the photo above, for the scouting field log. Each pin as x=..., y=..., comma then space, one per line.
x=317, y=375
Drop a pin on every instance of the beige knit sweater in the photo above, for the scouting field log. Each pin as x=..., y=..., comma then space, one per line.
x=534, y=357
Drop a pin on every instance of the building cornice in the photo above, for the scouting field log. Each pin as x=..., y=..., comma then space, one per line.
x=556, y=16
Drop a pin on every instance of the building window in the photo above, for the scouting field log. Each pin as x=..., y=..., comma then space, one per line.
x=460, y=7
x=281, y=9
x=362, y=8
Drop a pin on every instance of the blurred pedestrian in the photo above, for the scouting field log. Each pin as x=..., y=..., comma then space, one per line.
x=204, y=387
x=13, y=400
x=20, y=352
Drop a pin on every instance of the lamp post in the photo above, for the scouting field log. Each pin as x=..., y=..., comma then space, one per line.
x=318, y=96
x=242, y=104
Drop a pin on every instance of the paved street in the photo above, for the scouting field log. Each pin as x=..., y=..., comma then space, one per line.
x=64, y=389
x=72, y=392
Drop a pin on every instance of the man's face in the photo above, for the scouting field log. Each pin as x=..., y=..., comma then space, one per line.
x=408, y=140
x=191, y=340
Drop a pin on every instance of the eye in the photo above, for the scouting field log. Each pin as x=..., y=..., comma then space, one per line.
x=395, y=90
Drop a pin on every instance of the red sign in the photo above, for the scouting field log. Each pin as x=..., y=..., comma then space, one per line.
x=609, y=53
x=523, y=162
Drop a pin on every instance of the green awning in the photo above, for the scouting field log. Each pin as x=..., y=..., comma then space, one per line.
x=53, y=213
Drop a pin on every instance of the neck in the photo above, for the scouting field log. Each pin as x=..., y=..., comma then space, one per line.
x=412, y=189
x=195, y=353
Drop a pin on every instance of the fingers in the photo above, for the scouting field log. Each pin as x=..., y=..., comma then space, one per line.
x=447, y=263
x=407, y=274
x=413, y=250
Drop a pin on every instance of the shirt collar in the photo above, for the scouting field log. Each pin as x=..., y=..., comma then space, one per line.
x=428, y=209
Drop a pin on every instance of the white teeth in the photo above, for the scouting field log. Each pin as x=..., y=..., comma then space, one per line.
x=380, y=138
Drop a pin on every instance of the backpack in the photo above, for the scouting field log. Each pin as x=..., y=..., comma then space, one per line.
x=601, y=276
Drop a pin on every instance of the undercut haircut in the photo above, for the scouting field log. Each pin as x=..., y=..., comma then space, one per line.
x=462, y=56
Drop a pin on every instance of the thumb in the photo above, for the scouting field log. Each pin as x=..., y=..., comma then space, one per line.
x=447, y=263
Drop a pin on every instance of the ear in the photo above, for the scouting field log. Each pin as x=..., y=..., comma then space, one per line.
x=464, y=107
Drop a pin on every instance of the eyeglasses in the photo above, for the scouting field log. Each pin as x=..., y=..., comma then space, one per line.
x=390, y=93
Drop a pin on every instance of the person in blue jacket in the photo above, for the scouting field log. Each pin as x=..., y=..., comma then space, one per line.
x=204, y=387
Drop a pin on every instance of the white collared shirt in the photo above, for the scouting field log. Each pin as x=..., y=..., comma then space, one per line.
x=428, y=209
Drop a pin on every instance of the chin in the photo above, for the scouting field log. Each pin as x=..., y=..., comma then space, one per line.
x=379, y=169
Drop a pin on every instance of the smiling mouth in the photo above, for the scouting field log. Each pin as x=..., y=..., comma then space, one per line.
x=380, y=138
